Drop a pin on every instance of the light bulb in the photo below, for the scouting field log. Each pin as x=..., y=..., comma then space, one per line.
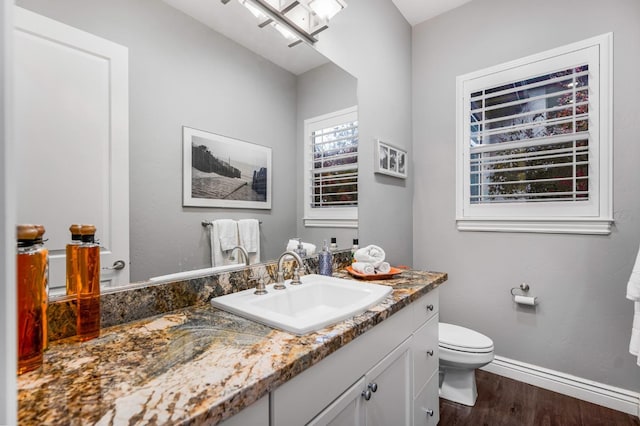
x=325, y=9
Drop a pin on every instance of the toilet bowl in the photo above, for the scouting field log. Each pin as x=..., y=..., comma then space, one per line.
x=461, y=351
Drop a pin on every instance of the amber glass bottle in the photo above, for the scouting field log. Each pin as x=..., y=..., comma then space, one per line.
x=45, y=294
x=73, y=273
x=88, y=322
x=30, y=273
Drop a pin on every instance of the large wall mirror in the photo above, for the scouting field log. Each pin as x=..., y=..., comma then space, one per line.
x=188, y=65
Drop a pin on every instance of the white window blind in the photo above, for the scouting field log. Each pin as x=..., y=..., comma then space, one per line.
x=530, y=139
x=331, y=169
x=334, y=176
x=534, y=142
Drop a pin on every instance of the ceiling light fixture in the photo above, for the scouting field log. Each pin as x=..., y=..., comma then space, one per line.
x=296, y=20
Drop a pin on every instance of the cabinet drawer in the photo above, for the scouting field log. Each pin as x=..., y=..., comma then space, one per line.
x=426, y=411
x=424, y=308
x=424, y=348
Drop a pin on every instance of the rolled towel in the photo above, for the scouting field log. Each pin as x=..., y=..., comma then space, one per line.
x=363, y=268
x=370, y=254
x=383, y=268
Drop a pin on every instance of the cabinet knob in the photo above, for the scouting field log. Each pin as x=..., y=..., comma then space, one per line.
x=429, y=307
x=366, y=394
x=429, y=412
x=430, y=352
x=373, y=387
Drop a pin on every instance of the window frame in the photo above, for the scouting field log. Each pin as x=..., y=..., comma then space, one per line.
x=585, y=217
x=336, y=217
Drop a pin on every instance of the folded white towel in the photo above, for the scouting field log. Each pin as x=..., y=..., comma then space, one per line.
x=227, y=233
x=383, y=268
x=363, y=268
x=310, y=248
x=370, y=254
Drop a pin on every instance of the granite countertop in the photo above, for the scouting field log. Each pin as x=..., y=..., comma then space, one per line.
x=191, y=366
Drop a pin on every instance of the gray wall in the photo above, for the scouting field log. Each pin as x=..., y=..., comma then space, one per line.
x=371, y=40
x=8, y=353
x=183, y=73
x=582, y=325
x=320, y=91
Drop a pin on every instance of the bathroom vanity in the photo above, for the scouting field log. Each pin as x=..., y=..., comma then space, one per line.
x=200, y=365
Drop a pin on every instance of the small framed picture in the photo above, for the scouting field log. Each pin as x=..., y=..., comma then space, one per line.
x=390, y=160
x=219, y=171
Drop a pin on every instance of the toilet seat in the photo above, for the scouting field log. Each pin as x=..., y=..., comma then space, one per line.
x=462, y=339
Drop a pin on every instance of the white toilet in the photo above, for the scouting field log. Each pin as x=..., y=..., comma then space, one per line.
x=461, y=351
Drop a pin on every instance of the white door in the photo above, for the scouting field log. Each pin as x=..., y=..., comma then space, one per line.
x=72, y=139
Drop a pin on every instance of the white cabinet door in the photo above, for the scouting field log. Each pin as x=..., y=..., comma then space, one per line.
x=390, y=386
x=424, y=346
x=344, y=411
x=426, y=410
x=71, y=129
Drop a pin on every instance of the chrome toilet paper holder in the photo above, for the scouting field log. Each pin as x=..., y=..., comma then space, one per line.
x=520, y=295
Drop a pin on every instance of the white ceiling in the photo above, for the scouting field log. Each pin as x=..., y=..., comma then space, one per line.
x=236, y=23
x=416, y=11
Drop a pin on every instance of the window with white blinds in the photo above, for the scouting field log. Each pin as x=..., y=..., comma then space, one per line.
x=535, y=142
x=331, y=156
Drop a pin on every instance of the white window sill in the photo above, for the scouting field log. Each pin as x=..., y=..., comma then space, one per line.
x=555, y=226
x=330, y=223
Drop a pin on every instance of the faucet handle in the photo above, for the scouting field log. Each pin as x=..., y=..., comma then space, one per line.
x=296, y=277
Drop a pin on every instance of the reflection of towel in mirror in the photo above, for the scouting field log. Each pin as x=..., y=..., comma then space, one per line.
x=249, y=231
x=383, y=268
x=310, y=248
x=363, y=268
x=370, y=254
x=220, y=257
x=227, y=233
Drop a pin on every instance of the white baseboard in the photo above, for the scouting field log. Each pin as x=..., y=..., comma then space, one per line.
x=566, y=384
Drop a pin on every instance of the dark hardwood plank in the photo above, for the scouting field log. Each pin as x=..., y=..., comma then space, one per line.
x=506, y=402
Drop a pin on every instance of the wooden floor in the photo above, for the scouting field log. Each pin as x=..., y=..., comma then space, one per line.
x=502, y=401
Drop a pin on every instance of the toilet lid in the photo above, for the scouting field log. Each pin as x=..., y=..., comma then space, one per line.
x=460, y=338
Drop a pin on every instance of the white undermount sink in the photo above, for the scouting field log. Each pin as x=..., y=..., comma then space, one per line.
x=300, y=309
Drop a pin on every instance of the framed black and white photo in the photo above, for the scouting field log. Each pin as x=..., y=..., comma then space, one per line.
x=219, y=171
x=390, y=159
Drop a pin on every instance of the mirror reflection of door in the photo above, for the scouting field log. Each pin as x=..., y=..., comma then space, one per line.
x=71, y=99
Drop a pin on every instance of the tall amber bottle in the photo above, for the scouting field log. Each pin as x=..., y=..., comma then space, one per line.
x=73, y=269
x=88, y=322
x=30, y=273
x=45, y=295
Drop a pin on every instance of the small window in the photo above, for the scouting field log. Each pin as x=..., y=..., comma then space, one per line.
x=534, y=143
x=331, y=169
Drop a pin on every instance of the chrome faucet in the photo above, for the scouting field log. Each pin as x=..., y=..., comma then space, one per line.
x=296, y=271
x=244, y=253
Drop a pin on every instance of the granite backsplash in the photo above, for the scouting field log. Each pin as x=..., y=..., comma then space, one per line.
x=146, y=299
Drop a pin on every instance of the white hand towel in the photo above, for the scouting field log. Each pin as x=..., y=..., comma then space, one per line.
x=370, y=254
x=633, y=286
x=363, y=268
x=634, y=344
x=227, y=233
x=249, y=231
x=633, y=293
x=383, y=268
x=216, y=251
